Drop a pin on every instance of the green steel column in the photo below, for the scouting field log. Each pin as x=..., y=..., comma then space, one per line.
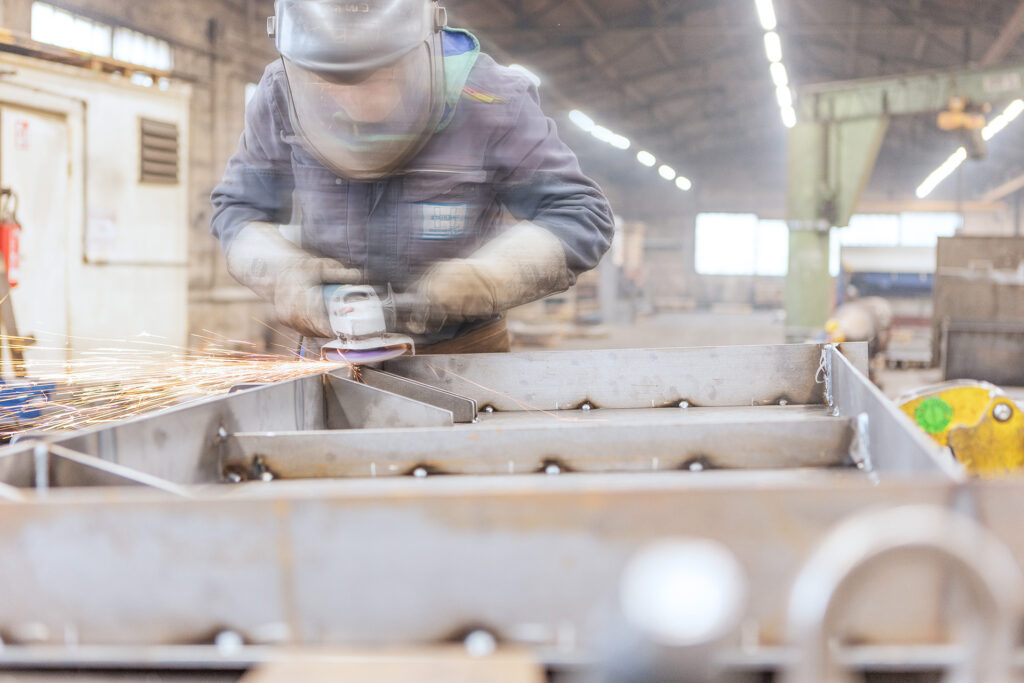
x=829, y=165
x=808, y=284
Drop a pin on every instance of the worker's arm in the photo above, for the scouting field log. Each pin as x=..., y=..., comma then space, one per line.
x=248, y=205
x=565, y=227
x=258, y=184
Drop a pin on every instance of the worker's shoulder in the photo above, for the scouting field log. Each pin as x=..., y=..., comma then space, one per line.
x=274, y=72
x=494, y=85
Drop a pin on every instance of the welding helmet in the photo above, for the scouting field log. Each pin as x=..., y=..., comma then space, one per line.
x=366, y=79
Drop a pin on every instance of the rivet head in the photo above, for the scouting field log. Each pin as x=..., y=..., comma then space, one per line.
x=267, y=476
x=480, y=643
x=586, y=406
x=684, y=404
x=696, y=467
x=420, y=473
x=1002, y=412
x=552, y=469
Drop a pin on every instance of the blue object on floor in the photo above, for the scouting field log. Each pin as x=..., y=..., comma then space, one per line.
x=24, y=401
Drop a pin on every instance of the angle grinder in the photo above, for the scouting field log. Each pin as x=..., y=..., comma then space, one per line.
x=359, y=321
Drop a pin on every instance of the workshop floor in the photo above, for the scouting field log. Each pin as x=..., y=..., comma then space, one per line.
x=704, y=328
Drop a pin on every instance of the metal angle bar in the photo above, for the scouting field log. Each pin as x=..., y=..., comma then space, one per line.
x=351, y=405
x=744, y=443
x=414, y=563
x=712, y=377
x=183, y=445
x=77, y=469
x=897, y=445
x=463, y=409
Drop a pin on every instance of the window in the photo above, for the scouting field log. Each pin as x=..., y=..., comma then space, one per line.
x=64, y=29
x=138, y=48
x=892, y=230
x=741, y=244
x=58, y=27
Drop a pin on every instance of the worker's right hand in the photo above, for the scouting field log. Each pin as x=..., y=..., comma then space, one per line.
x=288, y=277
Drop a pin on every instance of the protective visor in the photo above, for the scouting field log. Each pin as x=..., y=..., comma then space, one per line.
x=366, y=80
x=365, y=129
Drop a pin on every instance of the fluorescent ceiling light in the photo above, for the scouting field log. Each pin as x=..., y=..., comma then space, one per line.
x=620, y=142
x=582, y=120
x=784, y=96
x=766, y=13
x=773, y=46
x=994, y=127
x=788, y=117
x=779, y=76
x=534, y=78
x=667, y=172
x=646, y=158
x=684, y=184
x=602, y=134
x=942, y=172
x=1000, y=122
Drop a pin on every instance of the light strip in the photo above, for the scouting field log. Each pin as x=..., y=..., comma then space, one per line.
x=957, y=158
x=766, y=13
x=779, y=75
x=773, y=51
x=773, y=47
x=583, y=121
x=645, y=158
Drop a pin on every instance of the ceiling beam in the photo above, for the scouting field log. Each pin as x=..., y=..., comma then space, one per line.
x=840, y=30
x=1007, y=38
x=1004, y=190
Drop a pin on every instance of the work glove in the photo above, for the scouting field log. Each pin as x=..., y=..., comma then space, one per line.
x=523, y=264
x=287, y=277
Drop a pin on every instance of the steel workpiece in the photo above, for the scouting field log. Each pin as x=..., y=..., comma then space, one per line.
x=313, y=513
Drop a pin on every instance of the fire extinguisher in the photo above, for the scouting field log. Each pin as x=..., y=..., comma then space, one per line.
x=10, y=235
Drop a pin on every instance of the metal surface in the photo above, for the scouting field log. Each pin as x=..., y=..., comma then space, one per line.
x=463, y=409
x=859, y=545
x=702, y=377
x=351, y=405
x=898, y=447
x=409, y=561
x=978, y=280
x=673, y=438
x=986, y=351
x=129, y=540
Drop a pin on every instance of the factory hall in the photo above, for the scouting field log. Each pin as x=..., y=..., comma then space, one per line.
x=511, y=341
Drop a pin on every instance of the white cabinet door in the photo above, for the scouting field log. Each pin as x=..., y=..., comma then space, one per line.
x=34, y=162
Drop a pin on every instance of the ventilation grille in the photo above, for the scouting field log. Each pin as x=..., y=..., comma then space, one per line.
x=160, y=159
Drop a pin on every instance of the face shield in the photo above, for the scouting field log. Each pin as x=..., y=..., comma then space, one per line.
x=366, y=80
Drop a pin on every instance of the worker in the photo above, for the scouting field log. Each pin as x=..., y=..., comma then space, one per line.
x=411, y=161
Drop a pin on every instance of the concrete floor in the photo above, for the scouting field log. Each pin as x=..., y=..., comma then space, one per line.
x=703, y=328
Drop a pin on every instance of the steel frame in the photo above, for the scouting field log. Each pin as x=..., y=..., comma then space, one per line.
x=310, y=514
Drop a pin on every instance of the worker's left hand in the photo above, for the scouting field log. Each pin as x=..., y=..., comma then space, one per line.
x=523, y=264
x=450, y=293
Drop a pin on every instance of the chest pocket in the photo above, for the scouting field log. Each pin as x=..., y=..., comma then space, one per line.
x=445, y=207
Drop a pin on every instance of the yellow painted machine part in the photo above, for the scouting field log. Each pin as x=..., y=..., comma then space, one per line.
x=968, y=404
x=963, y=417
x=991, y=448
